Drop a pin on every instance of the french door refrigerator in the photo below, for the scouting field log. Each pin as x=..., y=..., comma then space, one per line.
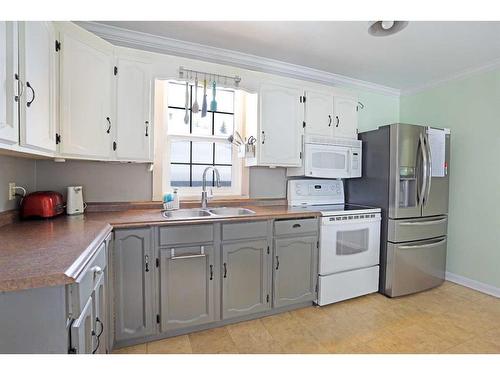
x=405, y=172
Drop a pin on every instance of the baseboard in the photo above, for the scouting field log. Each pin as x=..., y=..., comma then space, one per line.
x=473, y=284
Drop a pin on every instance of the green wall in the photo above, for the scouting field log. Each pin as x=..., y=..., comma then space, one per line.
x=470, y=107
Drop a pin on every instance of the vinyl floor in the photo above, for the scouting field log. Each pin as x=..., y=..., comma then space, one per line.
x=447, y=319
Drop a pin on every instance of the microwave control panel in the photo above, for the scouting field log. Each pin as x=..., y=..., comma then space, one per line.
x=315, y=192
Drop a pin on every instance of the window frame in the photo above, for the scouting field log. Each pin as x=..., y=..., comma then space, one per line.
x=237, y=171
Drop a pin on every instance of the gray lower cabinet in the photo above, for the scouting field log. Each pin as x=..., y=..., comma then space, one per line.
x=245, y=278
x=187, y=286
x=294, y=271
x=99, y=310
x=133, y=268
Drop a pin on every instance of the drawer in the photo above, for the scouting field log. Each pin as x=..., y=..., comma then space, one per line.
x=254, y=229
x=186, y=234
x=417, y=229
x=81, y=290
x=286, y=227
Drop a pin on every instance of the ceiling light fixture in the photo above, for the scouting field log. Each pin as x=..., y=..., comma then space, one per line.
x=385, y=28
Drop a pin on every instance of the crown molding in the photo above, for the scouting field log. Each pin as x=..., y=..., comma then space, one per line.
x=492, y=65
x=169, y=46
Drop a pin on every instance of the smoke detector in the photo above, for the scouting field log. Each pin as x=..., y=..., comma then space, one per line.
x=386, y=28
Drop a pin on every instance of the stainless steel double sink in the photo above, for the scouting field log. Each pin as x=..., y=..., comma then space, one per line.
x=204, y=213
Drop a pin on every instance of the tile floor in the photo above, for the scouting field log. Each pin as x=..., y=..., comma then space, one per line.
x=448, y=319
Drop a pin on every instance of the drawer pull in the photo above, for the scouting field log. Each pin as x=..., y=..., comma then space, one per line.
x=96, y=270
x=296, y=226
x=429, y=222
x=423, y=246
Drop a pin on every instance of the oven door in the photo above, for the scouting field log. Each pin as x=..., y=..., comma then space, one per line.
x=348, y=243
x=326, y=161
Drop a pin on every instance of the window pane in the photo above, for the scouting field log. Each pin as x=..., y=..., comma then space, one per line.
x=223, y=153
x=224, y=124
x=179, y=175
x=198, y=175
x=179, y=152
x=225, y=100
x=203, y=152
x=225, y=175
x=202, y=125
x=175, y=121
x=176, y=95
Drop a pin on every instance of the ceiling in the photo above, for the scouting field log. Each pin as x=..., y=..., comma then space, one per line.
x=423, y=52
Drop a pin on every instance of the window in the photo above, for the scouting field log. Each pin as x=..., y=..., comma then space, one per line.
x=200, y=142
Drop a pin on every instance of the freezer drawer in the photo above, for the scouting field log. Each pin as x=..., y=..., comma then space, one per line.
x=417, y=229
x=415, y=266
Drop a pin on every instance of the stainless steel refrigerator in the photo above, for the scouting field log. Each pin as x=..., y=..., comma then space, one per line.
x=400, y=176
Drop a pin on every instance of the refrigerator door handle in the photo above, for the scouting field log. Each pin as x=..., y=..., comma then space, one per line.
x=424, y=165
x=429, y=170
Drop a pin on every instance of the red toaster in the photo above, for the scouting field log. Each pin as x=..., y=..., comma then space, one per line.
x=42, y=204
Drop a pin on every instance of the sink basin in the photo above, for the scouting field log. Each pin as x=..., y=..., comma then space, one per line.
x=194, y=213
x=231, y=211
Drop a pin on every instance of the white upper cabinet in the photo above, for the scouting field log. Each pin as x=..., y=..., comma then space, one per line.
x=319, y=113
x=345, y=117
x=134, y=128
x=37, y=72
x=280, y=126
x=331, y=115
x=9, y=127
x=86, y=94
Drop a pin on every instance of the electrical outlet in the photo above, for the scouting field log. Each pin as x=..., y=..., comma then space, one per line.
x=12, y=191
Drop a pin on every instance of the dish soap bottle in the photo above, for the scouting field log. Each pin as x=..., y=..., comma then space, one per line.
x=175, y=201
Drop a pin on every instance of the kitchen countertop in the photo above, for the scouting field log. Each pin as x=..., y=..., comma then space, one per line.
x=43, y=253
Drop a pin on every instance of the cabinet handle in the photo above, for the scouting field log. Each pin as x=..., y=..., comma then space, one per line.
x=211, y=272
x=98, y=335
x=277, y=262
x=296, y=226
x=147, y=128
x=329, y=120
x=338, y=121
x=146, y=261
x=96, y=270
x=21, y=88
x=225, y=270
x=32, y=91
x=109, y=124
x=263, y=137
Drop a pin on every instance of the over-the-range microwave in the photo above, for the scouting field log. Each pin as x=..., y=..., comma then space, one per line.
x=325, y=157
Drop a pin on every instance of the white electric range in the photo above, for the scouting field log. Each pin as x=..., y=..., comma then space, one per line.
x=349, y=246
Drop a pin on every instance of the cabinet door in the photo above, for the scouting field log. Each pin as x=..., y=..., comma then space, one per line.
x=134, y=130
x=346, y=117
x=9, y=129
x=295, y=274
x=281, y=117
x=319, y=113
x=82, y=338
x=37, y=70
x=133, y=267
x=187, y=286
x=99, y=311
x=245, y=278
x=86, y=81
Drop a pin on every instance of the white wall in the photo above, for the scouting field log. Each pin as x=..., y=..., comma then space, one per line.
x=18, y=170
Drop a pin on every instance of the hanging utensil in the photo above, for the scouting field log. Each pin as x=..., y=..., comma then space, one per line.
x=204, y=104
x=186, y=116
x=196, y=107
x=213, y=103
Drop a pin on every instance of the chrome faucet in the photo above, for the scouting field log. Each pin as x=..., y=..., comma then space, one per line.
x=204, y=195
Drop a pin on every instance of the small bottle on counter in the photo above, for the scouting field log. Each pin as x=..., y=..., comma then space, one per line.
x=175, y=201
